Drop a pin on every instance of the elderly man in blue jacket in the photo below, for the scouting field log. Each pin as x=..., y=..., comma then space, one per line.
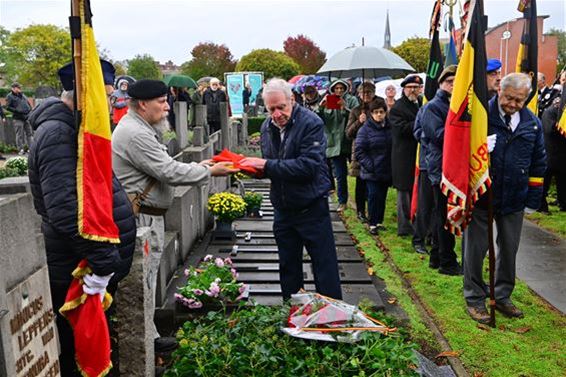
x=518, y=163
x=293, y=146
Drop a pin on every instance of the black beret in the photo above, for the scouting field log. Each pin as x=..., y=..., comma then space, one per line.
x=147, y=89
x=67, y=77
x=412, y=79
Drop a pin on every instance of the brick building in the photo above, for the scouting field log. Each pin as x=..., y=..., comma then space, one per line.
x=502, y=42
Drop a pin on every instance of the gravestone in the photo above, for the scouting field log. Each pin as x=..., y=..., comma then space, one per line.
x=181, y=129
x=28, y=334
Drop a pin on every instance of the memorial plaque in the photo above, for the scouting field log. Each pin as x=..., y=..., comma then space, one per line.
x=32, y=328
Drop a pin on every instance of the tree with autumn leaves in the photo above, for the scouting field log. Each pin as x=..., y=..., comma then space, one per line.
x=305, y=53
x=209, y=59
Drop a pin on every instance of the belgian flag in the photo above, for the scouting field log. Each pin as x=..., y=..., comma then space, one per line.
x=561, y=124
x=528, y=50
x=465, y=173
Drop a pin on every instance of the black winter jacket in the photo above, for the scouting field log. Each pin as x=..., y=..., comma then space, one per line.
x=404, y=151
x=554, y=142
x=52, y=174
x=433, y=120
x=212, y=98
x=18, y=104
x=297, y=165
x=373, y=151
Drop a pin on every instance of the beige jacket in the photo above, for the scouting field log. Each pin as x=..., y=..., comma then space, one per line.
x=138, y=155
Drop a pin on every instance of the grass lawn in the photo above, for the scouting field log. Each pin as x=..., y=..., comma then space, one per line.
x=532, y=346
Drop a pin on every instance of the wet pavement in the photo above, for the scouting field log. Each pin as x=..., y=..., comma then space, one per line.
x=541, y=263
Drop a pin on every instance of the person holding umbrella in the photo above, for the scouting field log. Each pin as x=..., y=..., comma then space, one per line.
x=335, y=110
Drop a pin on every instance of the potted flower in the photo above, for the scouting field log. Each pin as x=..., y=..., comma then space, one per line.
x=213, y=281
x=253, y=203
x=226, y=207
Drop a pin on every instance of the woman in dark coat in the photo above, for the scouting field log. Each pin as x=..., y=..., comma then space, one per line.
x=212, y=98
x=373, y=151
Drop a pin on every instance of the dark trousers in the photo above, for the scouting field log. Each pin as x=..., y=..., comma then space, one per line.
x=361, y=195
x=445, y=254
x=310, y=228
x=332, y=183
x=340, y=164
x=560, y=189
x=377, y=193
x=425, y=212
x=214, y=126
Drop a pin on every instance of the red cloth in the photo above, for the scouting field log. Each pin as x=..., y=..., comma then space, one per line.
x=229, y=156
x=85, y=314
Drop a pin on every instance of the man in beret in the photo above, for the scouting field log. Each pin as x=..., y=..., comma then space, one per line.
x=404, y=150
x=493, y=71
x=52, y=175
x=147, y=172
x=18, y=104
x=433, y=119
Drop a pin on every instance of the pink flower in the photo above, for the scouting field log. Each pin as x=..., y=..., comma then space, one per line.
x=208, y=258
x=219, y=262
x=243, y=292
x=187, y=272
x=198, y=292
x=179, y=296
x=228, y=261
x=213, y=290
x=196, y=304
x=234, y=273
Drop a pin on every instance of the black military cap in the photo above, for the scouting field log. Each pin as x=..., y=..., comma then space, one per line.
x=147, y=89
x=412, y=79
x=67, y=77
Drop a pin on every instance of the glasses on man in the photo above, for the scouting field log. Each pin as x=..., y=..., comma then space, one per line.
x=412, y=87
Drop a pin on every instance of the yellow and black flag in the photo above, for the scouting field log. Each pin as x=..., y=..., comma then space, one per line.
x=465, y=173
x=527, y=57
x=561, y=124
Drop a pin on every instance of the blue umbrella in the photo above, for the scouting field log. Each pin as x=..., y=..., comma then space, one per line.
x=319, y=82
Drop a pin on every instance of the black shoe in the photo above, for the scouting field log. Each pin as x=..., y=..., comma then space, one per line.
x=380, y=227
x=452, y=270
x=160, y=371
x=433, y=265
x=2, y=157
x=509, y=310
x=165, y=344
x=362, y=217
x=420, y=249
x=373, y=230
x=479, y=314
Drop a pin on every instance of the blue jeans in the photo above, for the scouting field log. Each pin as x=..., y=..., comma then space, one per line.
x=377, y=193
x=340, y=164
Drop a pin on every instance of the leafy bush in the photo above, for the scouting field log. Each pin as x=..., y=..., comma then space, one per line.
x=8, y=172
x=19, y=164
x=271, y=63
x=253, y=200
x=254, y=124
x=7, y=148
x=248, y=343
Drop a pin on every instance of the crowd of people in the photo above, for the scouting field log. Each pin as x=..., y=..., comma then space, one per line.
x=310, y=144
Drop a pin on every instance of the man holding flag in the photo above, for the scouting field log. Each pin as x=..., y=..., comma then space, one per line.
x=518, y=163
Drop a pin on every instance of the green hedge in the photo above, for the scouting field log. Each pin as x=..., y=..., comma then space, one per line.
x=254, y=124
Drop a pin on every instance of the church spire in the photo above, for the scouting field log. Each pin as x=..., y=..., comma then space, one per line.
x=387, y=37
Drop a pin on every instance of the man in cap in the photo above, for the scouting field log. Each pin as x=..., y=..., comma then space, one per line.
x=546, y=94
x=433, y=120
x=52, y=175
x=212, y=97
x=147, y=172
x=518, y=163
x=18, y=104
x=493, y=71
x=404, y=149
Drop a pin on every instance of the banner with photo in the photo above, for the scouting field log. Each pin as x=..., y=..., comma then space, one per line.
x=234, y=88
x=256, y=81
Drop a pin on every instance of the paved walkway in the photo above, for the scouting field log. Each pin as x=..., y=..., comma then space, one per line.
x=541, y=263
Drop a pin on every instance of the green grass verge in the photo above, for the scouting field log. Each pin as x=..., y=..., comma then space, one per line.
x=555, y=222
x=532, y=346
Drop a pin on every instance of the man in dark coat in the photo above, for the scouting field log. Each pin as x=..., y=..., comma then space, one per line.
x=402, y=118
x=52, y=175
x=546, y=94
x=212, y=98
x=518, y=162
x=433, y=121
x=293, y=146
x=18, y=104
x=555, y=144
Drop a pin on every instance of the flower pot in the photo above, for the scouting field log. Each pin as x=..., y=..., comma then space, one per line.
x=224, y=230
x=254, y=212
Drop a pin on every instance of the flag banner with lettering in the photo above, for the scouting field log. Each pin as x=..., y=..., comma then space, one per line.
x=85, y=314
x=94, y=165
x=465, y=173
x=527, y=56
x=561, y=124
x=433, y=70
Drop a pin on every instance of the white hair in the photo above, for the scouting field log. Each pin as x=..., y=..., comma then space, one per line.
x=214, y=80
x=516, y=80
x=67, y=95
x=277, y=85
x=541, y=76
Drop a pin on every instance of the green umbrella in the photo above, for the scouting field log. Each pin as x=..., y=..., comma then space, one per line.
x=180, y=81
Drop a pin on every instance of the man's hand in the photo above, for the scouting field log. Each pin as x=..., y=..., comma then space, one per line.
x=222, y=169
x=94, y=284
x=208, y=162
x=254, y=162
x=362, y=118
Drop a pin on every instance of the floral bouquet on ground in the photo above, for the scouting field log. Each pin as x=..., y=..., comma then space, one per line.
x=226, y=206
x=212, y=281
x=317, y=317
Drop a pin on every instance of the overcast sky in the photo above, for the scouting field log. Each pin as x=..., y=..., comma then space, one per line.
x=169, y=29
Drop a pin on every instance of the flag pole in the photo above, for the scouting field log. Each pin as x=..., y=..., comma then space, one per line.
x=76, y=36
x=491, y=257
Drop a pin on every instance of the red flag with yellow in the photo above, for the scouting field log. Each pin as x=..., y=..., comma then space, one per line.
x=94, y=167
x=527, y=56
x=465, y=173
